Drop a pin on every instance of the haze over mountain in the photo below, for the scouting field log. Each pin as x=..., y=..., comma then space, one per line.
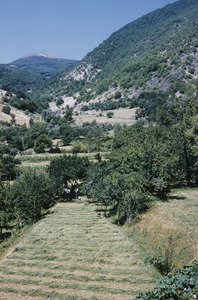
x=157, y=54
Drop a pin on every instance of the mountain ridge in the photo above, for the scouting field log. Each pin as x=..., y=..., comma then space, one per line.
x=40, y=54
x=146, y=55
x=42, y=64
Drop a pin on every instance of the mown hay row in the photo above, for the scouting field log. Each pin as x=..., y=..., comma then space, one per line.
x=75, y=252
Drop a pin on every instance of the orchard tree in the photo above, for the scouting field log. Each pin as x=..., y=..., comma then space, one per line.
x=32, y=192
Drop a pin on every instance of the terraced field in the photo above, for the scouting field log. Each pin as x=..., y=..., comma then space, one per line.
x=74, y=253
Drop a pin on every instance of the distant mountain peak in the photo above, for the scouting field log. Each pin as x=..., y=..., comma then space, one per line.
x=40, y=54
x=42, y=64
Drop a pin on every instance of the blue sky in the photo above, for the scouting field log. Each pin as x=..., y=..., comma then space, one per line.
x=64, y=28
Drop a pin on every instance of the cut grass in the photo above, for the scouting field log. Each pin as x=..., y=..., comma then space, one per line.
x=75, y=251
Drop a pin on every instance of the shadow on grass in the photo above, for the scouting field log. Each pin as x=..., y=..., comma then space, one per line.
x=175, y=197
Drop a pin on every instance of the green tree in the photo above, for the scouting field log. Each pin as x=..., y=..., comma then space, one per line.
x=6, y=207
x=6, y=109
x=42, y=142
x=8, y=167
x=118, y=95
x=32, y=133
x=66, y=132
x=68, y=113
x=31, y=193
x=65, y=169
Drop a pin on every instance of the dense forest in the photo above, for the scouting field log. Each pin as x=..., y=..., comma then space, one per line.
x=157, y=74
x=18, y=79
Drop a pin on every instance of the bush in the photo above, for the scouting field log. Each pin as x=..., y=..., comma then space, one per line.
x=117, y=95
x=6, y=109
x=183, y=284
x=55, y=150
x=110, y=114
x=59, y=102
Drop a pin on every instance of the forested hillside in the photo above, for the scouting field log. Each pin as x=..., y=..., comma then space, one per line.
x=18, y=79
x=42, y=64
x=142, y=64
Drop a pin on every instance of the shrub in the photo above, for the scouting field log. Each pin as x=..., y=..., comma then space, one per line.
x=183, y=284
x=6, y=109
x=110, y=114
x=117, y=95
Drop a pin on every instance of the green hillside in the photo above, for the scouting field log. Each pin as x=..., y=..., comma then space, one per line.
x=156, y=54
x=41, y=64
x=18, y=79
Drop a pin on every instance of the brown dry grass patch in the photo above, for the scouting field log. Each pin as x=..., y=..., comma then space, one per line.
x=121, y=115
x=20, y=117
x=175, y=221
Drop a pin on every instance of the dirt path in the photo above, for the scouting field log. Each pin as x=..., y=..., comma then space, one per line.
x=74, y=253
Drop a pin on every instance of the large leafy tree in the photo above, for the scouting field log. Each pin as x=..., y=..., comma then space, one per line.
x=32, y=192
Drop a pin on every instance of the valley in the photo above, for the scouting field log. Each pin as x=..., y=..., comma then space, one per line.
x=98, y=166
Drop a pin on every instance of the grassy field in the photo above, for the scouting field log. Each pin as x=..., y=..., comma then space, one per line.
x=20, y=117
x=170, y=229
x=44, y=159
x=121, y=116
x=75, y=253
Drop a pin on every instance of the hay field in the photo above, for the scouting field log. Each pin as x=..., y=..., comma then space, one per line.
x=75, y=253
x=121, y=116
